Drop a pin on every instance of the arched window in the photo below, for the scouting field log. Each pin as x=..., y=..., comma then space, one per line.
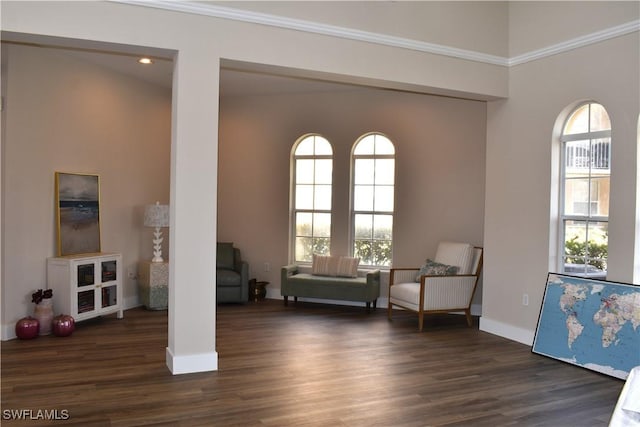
x=586, y=171
x=372, y=200
x=312, y=170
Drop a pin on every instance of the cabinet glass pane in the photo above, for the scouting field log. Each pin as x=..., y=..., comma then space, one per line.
x=86, y=301
x=86, y=275
x=108, y=271
x=109, y=296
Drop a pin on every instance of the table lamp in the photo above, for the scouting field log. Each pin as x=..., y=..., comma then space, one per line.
x=156, y=216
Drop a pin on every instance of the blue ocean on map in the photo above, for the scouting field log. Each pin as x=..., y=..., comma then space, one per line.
x=588, y=348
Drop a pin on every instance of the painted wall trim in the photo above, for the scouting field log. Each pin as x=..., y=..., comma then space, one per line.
x=383, y=39
x=523, y=336
x=131, y=302
x=190, y=363
x=8, y=332
x=317, y=28
x=381, y=304
x=598, y=36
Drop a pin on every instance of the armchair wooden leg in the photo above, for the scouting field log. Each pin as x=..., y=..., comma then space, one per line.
x=420, y=321
x=389, y=309
x=286, y=300
x=469, y=319
x=368, y=307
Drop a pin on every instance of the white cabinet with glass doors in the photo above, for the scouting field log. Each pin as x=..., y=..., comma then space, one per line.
x=87, y=285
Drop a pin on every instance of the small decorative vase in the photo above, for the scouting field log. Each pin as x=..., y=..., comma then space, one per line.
x=44, y=313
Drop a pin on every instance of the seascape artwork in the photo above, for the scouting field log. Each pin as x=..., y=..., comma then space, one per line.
x=78, y=203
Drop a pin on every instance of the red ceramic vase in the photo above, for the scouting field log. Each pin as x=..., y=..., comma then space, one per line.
x=27, y=328
x=63, y=325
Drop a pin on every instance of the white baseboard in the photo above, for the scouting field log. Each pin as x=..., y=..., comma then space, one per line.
x=514, y=333
x=8, y=332
x=191, y=363
x=336, y=302
x=383, y=302
x=131, y=302
x=476, y=309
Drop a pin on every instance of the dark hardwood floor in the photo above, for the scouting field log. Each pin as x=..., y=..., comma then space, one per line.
x=302, y=365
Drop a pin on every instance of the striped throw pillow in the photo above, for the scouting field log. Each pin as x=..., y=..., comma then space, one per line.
x=348, y=266
x=324, y=265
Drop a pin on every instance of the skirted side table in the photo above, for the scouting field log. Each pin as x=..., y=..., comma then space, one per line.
x=153, y=284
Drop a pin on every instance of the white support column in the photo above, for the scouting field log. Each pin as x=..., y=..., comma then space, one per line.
x=194, y=171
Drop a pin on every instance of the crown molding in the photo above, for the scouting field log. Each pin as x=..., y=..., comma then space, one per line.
x=316, y=28
x=599, y=36
x=381, y=39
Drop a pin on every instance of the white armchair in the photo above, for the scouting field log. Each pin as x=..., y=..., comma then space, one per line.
x=448, y=293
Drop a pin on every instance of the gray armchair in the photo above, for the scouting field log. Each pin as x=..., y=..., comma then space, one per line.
x=232, y=275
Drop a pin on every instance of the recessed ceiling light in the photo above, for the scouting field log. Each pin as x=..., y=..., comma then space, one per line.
x=145, y=61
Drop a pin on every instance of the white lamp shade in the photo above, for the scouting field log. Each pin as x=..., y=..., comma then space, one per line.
x=156, y=215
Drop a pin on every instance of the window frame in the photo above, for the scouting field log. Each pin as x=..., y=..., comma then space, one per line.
x=593, y=137
x=353, y=212
x=293, y=211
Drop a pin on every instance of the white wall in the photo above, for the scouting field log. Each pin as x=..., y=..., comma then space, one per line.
x=519, y=128
x=459, y=24
x=440, y=145
x=199, y=42
x=63, y=114
x=519, y=203
x=537, y=25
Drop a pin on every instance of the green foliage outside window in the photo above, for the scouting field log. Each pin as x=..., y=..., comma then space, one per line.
x=373, y=252
x=577, y=251
x=321, y=245
x=306, y=247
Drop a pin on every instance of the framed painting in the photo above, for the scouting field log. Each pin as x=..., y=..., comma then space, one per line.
x=594, y=324
x=78, y=213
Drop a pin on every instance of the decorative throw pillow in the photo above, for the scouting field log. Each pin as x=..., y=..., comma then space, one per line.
x=348, y=267
x=432, y=268
x=324, y=265
x=452, y=253
x=224, y=256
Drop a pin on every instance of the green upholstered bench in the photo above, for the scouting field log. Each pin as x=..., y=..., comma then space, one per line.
x=364, y=288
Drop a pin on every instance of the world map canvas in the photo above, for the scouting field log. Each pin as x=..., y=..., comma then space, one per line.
x=590, y=323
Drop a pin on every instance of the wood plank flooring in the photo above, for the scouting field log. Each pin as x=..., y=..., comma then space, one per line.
x=303, y=365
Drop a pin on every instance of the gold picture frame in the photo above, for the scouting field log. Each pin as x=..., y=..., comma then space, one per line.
x=77, y=213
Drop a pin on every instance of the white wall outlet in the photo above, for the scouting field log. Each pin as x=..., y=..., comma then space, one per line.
x=267, y=267
x=525, y=299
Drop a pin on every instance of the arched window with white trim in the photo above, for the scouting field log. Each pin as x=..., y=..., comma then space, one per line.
x=372, y=200
x=585, y=185
x=311, y=171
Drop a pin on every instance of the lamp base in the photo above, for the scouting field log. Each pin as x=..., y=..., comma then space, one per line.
x=157, y=246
